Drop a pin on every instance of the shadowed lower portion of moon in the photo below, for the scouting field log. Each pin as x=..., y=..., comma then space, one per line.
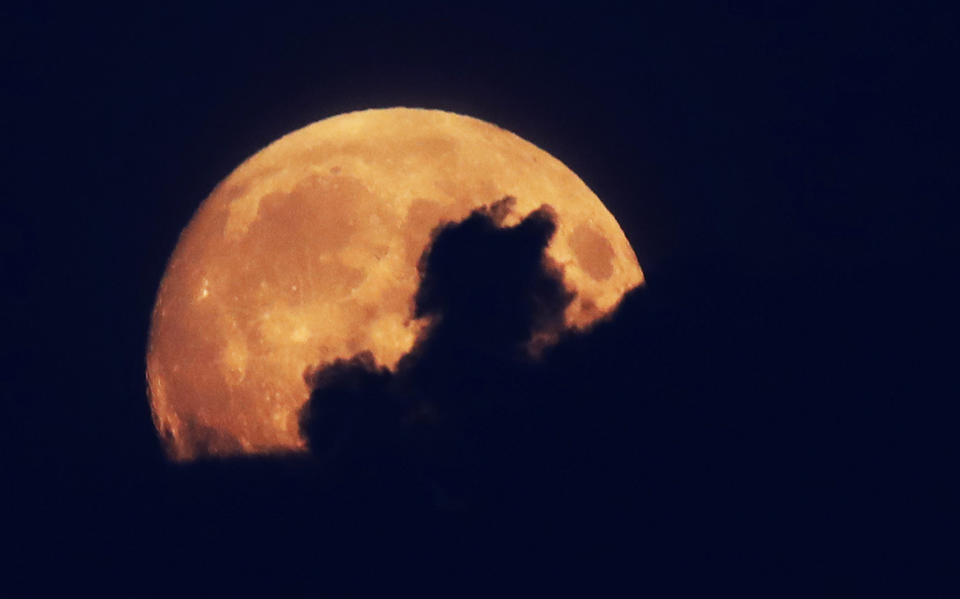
x=308, y=252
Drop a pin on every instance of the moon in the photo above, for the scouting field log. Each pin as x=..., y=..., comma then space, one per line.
x=308, y=252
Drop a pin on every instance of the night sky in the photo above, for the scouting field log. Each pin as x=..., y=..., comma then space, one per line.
x=757, y=418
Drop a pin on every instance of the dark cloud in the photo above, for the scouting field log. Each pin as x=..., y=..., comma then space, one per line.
x=695, y=435
x=720, y=424
x=691, y=423
x=446, y=413
x=476, y=419
x=492, y=286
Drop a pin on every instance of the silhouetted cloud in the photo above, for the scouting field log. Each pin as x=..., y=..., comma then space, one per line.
x=475, y=414
x=488, y=290
x=672, y=416
x=705, y=429
x=492, y=286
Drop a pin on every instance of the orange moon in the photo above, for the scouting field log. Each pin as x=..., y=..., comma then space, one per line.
x=308, y=252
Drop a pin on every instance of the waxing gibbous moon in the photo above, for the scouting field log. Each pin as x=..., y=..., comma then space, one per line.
x=308, y=252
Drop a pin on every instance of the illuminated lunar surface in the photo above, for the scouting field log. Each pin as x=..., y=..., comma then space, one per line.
x=308, y=252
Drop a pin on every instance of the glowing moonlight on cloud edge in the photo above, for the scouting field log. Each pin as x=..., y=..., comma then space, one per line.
x=308, y=252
